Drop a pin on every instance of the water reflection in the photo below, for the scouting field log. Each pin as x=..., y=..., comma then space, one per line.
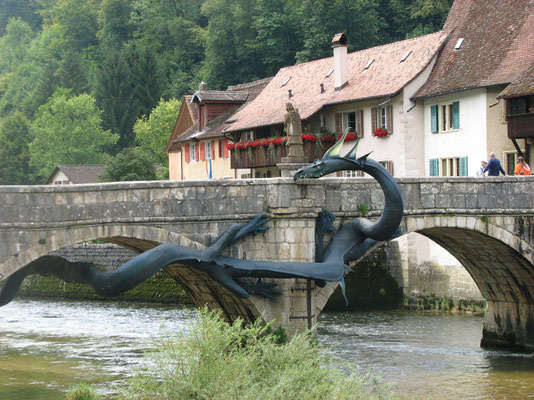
x=46, y=346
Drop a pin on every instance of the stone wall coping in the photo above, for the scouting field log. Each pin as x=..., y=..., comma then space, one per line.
x=91, y=187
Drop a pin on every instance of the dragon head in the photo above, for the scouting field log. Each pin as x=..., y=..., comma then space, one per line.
x=332, y=162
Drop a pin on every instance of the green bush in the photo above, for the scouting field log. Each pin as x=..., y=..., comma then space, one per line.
x=83, y=391
x=215, y=360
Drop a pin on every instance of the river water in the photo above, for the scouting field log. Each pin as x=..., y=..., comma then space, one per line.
x=48, y=346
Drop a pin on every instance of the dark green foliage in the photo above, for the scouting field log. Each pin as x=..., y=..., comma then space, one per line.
x=27, y=10
x=15, y=139
x=147, y=79
x=130, y=165
x=72, y=74
x=116, y=96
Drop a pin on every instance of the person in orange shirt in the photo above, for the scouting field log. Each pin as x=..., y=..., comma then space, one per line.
x=522, y=168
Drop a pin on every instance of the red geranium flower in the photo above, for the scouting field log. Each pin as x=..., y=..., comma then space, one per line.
x=380, y=132
x=309, y=137
x=231, y=146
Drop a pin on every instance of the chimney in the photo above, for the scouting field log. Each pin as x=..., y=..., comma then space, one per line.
x=339, y=44
x=202, y=87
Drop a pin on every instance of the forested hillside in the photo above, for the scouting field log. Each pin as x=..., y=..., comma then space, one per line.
x=83, y=80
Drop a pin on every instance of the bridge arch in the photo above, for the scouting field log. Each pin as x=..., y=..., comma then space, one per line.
x=199, y=286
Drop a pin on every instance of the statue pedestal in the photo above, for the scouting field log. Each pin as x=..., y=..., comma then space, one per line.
x=288, y=169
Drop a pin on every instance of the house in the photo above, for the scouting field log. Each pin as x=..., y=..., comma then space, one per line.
x=368, y=91
x=75, y=174
x=198, y=148
x=477, y=98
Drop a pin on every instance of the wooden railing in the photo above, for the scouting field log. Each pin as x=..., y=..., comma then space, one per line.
x=259, y=156
x=521, y=126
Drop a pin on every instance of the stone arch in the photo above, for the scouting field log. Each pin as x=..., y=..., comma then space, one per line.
x=500, y=263
x=202, y=290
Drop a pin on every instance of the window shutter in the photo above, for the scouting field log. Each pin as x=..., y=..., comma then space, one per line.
x=374, y=111
x=389, y=167
x=338, y=124
x=462, y=161
x=434, y=167
x=202, y=151
x=359, y=122
x=186, y=151
x=225, y=148
x=220, y=145
x=434, y=118
x=389, y=118
x=455, y=115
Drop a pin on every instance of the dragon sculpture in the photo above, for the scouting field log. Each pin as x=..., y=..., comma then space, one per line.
x=349, y=243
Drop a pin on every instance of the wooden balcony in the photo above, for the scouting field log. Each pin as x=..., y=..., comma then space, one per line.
x=259, y=157
x=520, y=126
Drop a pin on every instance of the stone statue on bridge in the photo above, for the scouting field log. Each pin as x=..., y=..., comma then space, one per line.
x=293, y=128
x=349, y=243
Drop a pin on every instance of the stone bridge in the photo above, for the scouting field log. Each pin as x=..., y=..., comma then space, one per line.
x=487, y=223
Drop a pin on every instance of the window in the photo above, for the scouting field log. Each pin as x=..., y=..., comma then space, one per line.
x=445, y=117
x=208, y=150
x=382, y=117
x=448, y=166
x=352, y=174
x=193, y=152
x=510, y=162
x=387, y=165
x=352, y=120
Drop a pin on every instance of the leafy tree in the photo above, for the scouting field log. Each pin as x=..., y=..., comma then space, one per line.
x=430, y=15
x=187, y=57
x=15, y=138
x=152, y=133
x=228, y=59
x=14, y=44
x=322, y=19
x=116, y=97
x=130, y=165
x=26, y=10
x=68, y=130
x=279, y=36
x=77, y=20
x=116, y=26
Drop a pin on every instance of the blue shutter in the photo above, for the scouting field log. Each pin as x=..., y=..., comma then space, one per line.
x=434, y=118
x=434, y=167
x=463, y=166
x=456, y=115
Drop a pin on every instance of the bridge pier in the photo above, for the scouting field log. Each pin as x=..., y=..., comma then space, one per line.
x=508, y=325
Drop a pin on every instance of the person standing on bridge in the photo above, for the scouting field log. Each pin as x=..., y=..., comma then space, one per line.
x=522, y=168
x=494, y=167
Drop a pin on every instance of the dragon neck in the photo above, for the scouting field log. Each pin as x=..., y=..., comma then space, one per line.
x=391, y=217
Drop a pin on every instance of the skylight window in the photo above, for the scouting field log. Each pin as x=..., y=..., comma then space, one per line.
x=458, y=44
x=369, y=63
x=329, y=73
x=404, y=57
x=285, y=82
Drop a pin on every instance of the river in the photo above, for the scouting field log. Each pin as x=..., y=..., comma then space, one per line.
x=48, y=346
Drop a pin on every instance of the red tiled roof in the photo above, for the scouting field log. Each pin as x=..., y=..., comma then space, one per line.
x=216, y=125
x=386, y=76
x=498, y=46
x=524, y=86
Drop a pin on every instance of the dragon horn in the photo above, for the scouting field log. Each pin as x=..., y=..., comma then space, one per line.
x=334, y=150
x=352, y=152
x=362, y=159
